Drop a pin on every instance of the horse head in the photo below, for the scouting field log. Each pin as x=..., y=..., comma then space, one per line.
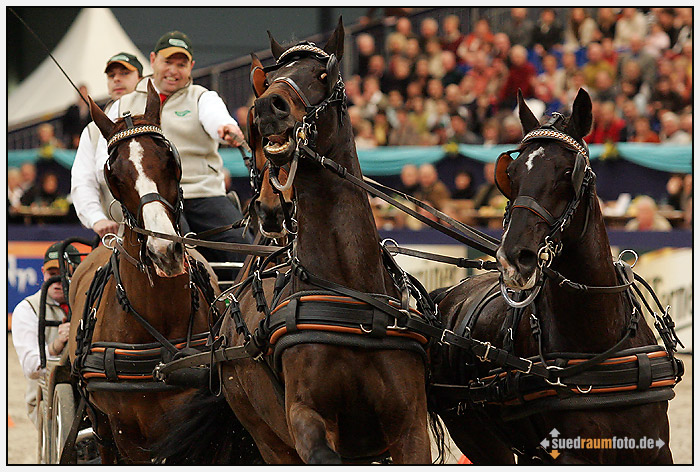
x=290, y=95
x=143, y=173
x=545, y=184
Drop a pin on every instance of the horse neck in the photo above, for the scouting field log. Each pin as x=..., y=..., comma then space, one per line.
x=166, y=305
x=583, y=322
x=337, y=237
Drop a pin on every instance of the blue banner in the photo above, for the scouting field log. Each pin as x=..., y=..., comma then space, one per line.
x=24, y=278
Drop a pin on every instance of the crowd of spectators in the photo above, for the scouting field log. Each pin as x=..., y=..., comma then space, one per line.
x=438, y=84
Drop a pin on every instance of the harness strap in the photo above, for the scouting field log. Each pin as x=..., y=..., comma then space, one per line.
x=69, y=455
x=456, y=261
x=531, y=204
x=476, y=240
x=563, y=282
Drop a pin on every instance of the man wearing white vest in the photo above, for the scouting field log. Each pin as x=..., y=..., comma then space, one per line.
x=196, y=121
x=89, y=192
x=25, y=324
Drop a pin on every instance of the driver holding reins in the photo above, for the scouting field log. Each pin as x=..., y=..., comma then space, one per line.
x=196, y=121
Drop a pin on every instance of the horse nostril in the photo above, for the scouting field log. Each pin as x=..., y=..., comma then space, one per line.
x=527, y=258
x=280, y=106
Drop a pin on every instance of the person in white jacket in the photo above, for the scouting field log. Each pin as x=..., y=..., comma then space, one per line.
x=25, y=324
x=89, y=192
x=196, y=121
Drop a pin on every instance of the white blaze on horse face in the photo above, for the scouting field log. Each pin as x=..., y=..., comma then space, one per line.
x=537, y=152
x=155, y=215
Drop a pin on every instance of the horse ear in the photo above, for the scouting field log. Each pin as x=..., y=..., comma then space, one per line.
x=275, y=47
x=257, y=75
x=152, y=113
x=333, y=71
x=527, y=118
x=336, y=43
x=104, y=124
x=581, y=116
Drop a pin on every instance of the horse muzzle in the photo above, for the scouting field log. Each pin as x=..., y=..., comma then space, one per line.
x=168, y=259
x=521, y=275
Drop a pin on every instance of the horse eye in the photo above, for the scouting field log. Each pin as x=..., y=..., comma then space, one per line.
x=323, y=76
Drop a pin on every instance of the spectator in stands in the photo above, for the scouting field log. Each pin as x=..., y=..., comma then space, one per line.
x=397, y=77
x=657, y=41
x=595, y=64
x=463, y=186
x=492, y=132
x=364, y=137
x=643, y=132
x=432, y=189
x=606, y=125
x=421, y=119
x=632, y=22
x=548, y=101
x=25, y=325
x=487, y=192
x=580, y=30
x=428, y=32
x=682, y=78
x=636, y=53
x=90, y=194
x=395, y=45
x=604, y=88
x=46, y=194
x=547, y=34
x=381, y=128
x=404, y=134
x=14, y=186
x=679, y=191
x=28, y=172
x=666, y=21
x=646, y=216
x=501, y=49
x=520, y=76
x=671, y=132
x=409, y=180
x=449, y=64
x=365, y=50
x=552, y=77
x=630, y=113
x=686, y=120
x=461, y=133
x=609, y=52
x=664, y=97
x=46, y=162
x=607, y=20
x=372, y=97
x=482, y=75
x=454, y=101
x=452, y=37
x=519, y=28
x=75, y=119
x=433, y=54
x=512, y=131
x=481, y=39
x=684, y=25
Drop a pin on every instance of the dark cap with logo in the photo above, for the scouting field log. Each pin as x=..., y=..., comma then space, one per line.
x=51, y=255
x=174, y=42
x=127, y=60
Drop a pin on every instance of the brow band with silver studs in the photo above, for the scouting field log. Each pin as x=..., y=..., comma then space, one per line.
x=138, y=130
x=558, y=135
x=303, y=48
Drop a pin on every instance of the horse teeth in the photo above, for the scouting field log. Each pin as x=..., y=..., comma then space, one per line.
x=274, y=148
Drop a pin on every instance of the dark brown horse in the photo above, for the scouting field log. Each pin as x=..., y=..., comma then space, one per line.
x=542, y=183
x=143, y=173
x=338, y=403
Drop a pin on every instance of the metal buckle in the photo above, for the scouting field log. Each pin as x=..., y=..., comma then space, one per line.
x=590, y=387
x=529, y=368
x=485, y=357
x=157, y=374
x=636, y=257
x=558, y=382
x=442, y=337
x=396, y=323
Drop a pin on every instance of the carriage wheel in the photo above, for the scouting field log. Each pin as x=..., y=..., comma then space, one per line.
x=44, y=442
x=63, y=414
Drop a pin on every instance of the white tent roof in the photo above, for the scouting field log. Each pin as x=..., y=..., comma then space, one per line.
x=94, y=37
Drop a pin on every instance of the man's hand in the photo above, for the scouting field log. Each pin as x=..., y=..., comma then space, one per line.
x=103, y=227
x=232, y=134
x=60, y=342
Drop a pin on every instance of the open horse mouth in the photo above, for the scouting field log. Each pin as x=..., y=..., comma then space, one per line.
x=279, y=147
x=512, y=277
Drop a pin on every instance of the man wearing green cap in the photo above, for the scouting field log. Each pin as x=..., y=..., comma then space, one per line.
x=196, y=121
x=25, y=324
x=89, y=192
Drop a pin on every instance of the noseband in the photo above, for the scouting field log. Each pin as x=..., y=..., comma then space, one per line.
x=155, y=132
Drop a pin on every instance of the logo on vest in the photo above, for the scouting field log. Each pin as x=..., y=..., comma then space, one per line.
x=182, y=113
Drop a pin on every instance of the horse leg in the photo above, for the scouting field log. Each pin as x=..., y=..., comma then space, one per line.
x=105, y=445
x=475, y=441
x=413, y=446
x=309, y=432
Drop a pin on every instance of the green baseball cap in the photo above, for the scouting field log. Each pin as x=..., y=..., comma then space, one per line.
x=174, y=42
x=127, y=60
x=51, y=255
